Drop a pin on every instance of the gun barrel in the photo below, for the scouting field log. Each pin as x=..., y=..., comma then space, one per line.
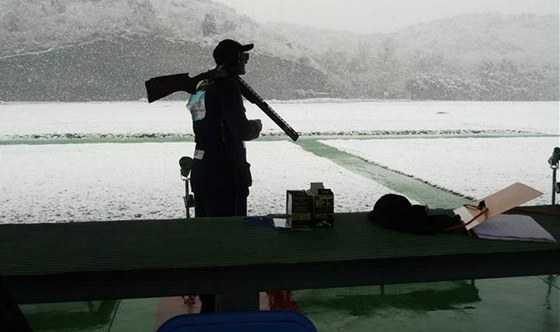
x=254, y=98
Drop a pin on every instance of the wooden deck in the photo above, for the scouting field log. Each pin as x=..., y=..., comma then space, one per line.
x=158, y=258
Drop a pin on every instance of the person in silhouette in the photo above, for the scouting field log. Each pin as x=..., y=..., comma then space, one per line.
x=221, y=175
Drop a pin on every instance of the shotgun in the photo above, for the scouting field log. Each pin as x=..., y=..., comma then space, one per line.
x=161, y=86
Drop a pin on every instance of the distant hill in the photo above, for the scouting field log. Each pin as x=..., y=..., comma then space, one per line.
x=105, y=50
x=468, y=57
x=468, y=39
x=116, y=68
x=464, y=39
x=75, y=50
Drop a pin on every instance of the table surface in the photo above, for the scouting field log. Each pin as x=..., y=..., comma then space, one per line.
x=145, y=258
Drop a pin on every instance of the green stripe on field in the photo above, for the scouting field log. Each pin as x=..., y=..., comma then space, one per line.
x=413, y=188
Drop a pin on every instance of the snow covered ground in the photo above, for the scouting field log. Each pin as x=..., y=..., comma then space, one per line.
x=21, y=120
x=473, y=148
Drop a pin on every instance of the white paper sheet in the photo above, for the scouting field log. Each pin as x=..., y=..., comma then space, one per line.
x=280, y=222
x=513, y=227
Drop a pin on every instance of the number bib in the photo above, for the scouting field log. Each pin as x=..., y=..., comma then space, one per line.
x=197, y=106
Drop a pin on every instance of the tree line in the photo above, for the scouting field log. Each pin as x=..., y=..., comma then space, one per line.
x=384, y=73
x=491, y=81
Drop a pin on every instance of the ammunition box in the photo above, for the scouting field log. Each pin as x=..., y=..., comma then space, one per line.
x=323, y=208
x=299, y=209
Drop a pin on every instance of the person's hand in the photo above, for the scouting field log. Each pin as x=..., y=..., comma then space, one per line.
x=254, y=130
x=258, y=123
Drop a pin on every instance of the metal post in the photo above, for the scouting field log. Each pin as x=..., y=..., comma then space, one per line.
x=554, y=184
x=554, y=162
x=186, y=164
x=187, y=207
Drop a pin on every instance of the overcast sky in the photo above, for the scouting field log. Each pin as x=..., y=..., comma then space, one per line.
x=378, y=15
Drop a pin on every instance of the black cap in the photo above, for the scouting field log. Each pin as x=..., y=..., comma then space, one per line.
x=395, y=212
x=228, y=51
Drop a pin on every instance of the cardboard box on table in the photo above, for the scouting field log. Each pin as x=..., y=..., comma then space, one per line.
x=310, y=208
x=299, y=209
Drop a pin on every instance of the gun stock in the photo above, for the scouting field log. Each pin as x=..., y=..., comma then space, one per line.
x=162, y=86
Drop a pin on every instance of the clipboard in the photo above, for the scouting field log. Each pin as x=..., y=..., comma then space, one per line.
x=473, y=214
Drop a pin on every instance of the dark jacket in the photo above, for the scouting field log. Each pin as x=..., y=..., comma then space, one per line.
x=221, y=136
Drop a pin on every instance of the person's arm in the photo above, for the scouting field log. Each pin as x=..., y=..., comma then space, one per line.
x=234, y=114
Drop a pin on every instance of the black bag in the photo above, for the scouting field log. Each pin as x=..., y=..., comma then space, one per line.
x=395, y=212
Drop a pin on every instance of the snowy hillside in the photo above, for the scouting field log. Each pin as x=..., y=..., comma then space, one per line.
x=35, y=25
x=65, y=50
